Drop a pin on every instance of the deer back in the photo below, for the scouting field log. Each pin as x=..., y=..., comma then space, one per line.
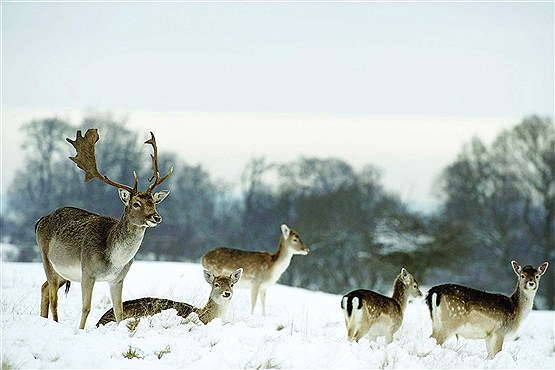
x=223, y=261
x=147, y=306
x=371, y=303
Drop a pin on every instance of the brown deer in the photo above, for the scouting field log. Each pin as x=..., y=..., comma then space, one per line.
x=261, y=269
x=475, y=314
x=220, y=296
x=368, y=312
x=77, y=245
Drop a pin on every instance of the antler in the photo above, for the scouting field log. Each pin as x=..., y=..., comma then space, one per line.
x=86, y=159
x=156, y=173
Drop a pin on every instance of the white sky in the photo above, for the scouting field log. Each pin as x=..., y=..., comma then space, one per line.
x=401, y=86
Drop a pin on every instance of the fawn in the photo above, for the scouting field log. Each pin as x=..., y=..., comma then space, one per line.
x=77, y=245
x=475, y=314
x=368, y=312
x=261, y=269
x=220, y=296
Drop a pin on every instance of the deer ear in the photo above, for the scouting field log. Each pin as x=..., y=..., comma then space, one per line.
x=124, y=195
x=286, y=231
x=236, y=276
x=516, y=267
x=543, y=268
x=160, y=196
x=405, y=275
x=209, y=277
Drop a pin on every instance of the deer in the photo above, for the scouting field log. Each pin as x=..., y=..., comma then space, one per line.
x=369, y=313
x=216, y=307
x=77, y=245
x=261, y=269
x=476, y=314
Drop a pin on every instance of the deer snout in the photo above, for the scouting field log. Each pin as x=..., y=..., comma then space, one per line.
x=226, y=294
x=531, y=284
x=153, y=220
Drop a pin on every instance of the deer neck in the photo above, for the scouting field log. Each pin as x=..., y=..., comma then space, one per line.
x=212, y=310
x=125, y=240
x=281, y=259
x=522, y=302
x=400, y=294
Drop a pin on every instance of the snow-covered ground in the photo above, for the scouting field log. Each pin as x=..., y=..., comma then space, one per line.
x=302, y=329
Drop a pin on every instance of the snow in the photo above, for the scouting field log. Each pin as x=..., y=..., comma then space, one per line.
x=302, y=329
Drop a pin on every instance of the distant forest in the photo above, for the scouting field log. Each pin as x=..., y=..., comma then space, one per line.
x=497, y=204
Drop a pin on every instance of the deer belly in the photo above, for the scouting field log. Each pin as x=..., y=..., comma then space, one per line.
x=478, y=327
x=380, y=327
x=68, y=272
x=471, y=331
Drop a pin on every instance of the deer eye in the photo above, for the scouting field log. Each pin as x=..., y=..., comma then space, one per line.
x=136, y=205
x=217, y=285
x=232, y=285
x=522, y=276
x=295, y=240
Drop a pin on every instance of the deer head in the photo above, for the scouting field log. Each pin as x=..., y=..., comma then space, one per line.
x=293, y=241
x=140, y=207
x=222, y=286
x=529, y=276
x=410, y=283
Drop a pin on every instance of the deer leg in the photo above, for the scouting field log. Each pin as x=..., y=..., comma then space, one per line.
x=358, y=334
x=87, y=285
x=389, y=337
x=350, y=334
x=54, y=283
x=349, y=328
x=497, y=343
x=254, y=295
x=53, y=298
x=44, y=300
x=494, y=343
x=440, y=337
x=263, y=300
x=115, y=293
x=49, y=290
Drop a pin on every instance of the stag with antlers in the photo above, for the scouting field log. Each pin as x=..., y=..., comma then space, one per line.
x=77, y=245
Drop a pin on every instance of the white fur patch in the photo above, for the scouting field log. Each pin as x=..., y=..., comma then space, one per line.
x=72, y=273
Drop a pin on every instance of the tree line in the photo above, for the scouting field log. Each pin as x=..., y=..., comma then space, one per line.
x=497, y=204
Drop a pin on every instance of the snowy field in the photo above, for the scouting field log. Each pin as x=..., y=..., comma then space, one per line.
x=302, y=329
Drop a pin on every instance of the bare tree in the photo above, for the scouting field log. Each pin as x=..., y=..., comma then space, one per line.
x=504, y=196
x=526, y=155
x=257, y=201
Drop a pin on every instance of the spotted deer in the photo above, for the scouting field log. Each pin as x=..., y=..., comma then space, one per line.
x=261, y=269
x=370, y=313
x=77, y=245
x=475, y=314
x=220, y=296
